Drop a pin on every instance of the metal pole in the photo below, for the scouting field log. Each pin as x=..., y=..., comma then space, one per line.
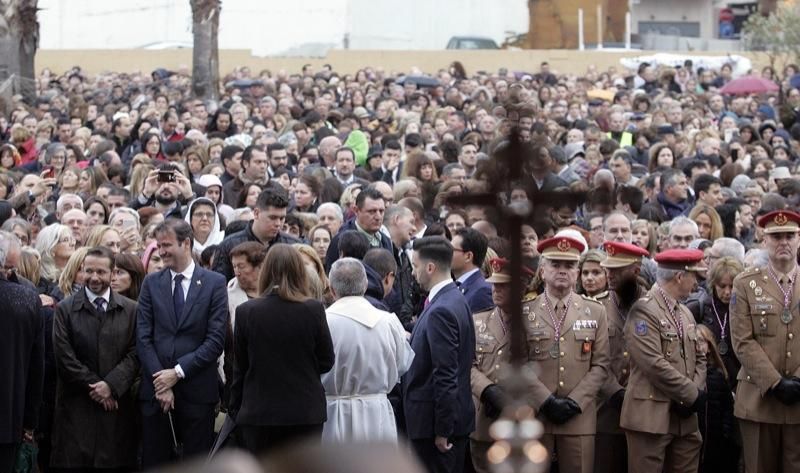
x=581, y=46
x=628, y=30
x=599, y=26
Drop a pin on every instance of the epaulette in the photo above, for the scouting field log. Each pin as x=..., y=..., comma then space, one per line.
x=602, y=295
x=529, y=297
x=750, y=272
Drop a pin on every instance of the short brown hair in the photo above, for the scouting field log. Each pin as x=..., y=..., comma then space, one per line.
x=284, y=274
x=254, y=252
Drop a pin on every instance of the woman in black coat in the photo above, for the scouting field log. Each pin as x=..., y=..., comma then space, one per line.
x=712, y=311
x=282, y=346
x=722, y=443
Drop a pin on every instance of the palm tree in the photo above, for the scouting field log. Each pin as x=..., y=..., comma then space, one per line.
x=19, y=38
x=205, y=56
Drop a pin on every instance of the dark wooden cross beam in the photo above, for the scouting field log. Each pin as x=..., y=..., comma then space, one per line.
x=510, y=165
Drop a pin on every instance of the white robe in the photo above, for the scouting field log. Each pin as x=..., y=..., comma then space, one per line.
x=372, y=352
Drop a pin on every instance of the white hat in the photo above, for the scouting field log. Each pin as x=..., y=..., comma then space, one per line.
x=208, y=180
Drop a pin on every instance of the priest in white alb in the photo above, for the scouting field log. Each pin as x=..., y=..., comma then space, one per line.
x=372, y=352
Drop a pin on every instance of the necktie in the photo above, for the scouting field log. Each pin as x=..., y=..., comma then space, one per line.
x=427, y=303
x=99, y=305
x=177, y=296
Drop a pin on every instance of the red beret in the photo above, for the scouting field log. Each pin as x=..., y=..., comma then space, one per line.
x=683, y=260
x=561, y=248
x=780, y=221
x=622, y=254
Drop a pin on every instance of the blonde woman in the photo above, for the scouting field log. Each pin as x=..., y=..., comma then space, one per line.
x=312, y=261
x=56, y=245
x=644, y=235
x=709, y=225
x=105, y=236
x=138, y=176
x=29, y=265
x=72, y=277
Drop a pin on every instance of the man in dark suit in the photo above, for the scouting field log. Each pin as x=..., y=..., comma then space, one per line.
x=21, y=356
x=469, y=251
x=391, y=166
x=181, y=324
x=436, y=390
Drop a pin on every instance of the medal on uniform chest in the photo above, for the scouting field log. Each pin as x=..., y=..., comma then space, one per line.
x=786, y=315
x=723, y=324
x=558, y=323
x=555, y=350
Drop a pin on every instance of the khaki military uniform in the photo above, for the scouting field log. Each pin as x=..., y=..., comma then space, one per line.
x=610, y=445
x=664, y=369
x=768, y=349
x=492, y=354
x=576, y=370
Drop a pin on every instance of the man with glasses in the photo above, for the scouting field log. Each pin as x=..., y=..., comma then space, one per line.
x=723, y=247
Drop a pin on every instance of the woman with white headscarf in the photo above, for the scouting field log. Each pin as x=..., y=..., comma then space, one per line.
x=203, y=218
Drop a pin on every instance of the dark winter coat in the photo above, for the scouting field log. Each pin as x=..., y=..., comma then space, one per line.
x=92, y=347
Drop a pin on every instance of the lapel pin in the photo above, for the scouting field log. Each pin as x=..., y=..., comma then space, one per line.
x=198, y=283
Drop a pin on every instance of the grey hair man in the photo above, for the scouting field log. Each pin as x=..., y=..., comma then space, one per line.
x=330, y=214
x=725, y=247
x=21, y=357
x=682, y=231
x=371, y=354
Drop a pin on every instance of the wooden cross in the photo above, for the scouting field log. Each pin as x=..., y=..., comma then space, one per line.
x=516, y=432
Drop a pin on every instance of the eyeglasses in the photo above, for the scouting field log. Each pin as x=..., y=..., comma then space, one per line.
x=202, y=215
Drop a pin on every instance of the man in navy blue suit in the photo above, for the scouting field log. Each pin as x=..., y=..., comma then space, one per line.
x=436, y=390
x=181, y=324
x=469, y=251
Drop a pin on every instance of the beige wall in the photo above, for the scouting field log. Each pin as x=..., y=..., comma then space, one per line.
x=348, y=61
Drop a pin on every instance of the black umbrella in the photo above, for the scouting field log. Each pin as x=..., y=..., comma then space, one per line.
x=421, y=81
x=177, y=448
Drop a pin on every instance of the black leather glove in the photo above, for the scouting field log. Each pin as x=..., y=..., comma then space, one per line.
x=699, y=402
x=788, y=390
x=494, y=400
x=616, y=399
x=559, y=410
x=684, y=411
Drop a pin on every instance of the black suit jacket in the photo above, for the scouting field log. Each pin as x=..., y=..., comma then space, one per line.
x=193, y=339
x=437, y=396
x=281, y=349
x=21, y=360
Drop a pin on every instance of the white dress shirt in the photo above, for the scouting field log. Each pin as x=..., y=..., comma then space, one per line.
x=435, y=289
x=187, y=281
x=92, y=297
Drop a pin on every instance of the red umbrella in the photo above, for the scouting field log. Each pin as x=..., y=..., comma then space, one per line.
x=749, y=85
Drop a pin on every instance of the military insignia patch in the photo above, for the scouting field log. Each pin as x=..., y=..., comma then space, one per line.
x=641, y=328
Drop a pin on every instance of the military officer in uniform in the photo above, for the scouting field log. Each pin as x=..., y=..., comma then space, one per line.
x=568, y=347
x=668, y=371
x=764, y=325
x=623, y=263
x=492, y=357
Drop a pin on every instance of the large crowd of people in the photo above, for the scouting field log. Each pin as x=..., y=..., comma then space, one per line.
x=294, y=256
